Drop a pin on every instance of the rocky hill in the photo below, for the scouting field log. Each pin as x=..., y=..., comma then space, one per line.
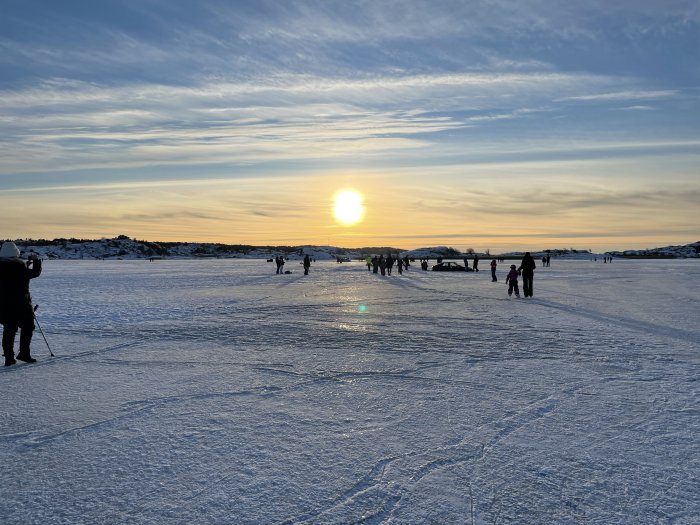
x=679, y=251
x=124, y=247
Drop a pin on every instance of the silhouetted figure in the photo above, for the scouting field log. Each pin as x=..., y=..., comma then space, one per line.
x=494, y=279
x=16, y=311
x=512, y=281
x=389, y=264
x=278, y=262
x=475, y=264
x=527, y=268
x=382, y=264
x=399, y=264
x=375, y=264
x=307, y=264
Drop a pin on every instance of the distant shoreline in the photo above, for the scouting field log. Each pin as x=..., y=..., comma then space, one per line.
x=127, y=248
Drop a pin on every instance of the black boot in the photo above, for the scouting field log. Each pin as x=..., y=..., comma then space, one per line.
x=9, y=360
x=24, y=356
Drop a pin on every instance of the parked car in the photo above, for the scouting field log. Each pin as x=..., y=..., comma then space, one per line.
x=451, y=267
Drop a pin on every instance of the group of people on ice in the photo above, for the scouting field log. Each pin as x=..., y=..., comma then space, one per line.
x=279, y=261
x=385, y=265
x=527, y=270
x=475, y=263
x=16, y=309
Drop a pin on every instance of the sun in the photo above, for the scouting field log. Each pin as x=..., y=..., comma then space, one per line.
x=348, y=208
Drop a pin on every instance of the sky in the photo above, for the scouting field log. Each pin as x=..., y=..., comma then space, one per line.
x=487, y=124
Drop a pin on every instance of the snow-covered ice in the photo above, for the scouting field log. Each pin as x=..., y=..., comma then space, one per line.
x=216, y=392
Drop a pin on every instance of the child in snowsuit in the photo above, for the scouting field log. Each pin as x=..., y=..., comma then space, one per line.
x=512, y=281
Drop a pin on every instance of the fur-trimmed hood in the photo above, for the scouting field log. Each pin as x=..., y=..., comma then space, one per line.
x=9, y=249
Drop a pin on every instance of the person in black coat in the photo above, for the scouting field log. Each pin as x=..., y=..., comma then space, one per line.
x=527, y=270
x=16, y=312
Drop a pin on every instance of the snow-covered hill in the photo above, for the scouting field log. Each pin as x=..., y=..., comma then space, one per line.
x=682, y=251
x=123, y=247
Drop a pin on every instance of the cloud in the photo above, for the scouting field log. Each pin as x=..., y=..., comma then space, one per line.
x=66, y=124
x=623, y=95
x=178, y=215
x=634, y=108
x=555, y=199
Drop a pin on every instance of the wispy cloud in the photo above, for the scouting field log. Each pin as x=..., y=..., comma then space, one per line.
x=64, y=125
x=623, y=95
x=634, y=108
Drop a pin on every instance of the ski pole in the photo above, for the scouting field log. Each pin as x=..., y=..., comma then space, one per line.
x=42, y=331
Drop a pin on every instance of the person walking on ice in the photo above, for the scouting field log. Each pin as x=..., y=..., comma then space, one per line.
x=16, y=312
x=512, y=281
x=527, y=267
x=494, y=279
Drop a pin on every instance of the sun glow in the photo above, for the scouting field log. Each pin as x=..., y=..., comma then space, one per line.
x=348, y=208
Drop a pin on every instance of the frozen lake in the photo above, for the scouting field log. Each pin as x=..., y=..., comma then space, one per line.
x=216, y=392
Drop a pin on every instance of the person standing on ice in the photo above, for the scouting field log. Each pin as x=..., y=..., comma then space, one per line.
x=368, y=260
x=527, y=267
x=512, y=281
x=307, y=264
x=494, y=279
x=16, y=312
x=277, y=262
x=475, y=264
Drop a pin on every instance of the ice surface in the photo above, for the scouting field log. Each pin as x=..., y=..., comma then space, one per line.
x=214, y=391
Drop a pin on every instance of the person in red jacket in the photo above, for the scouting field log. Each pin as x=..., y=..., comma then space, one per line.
x=16, y=312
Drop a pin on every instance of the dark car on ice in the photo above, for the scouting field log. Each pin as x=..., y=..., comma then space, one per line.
x=450, y=267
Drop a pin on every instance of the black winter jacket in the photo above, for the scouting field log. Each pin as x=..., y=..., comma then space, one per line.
x=15, y=301
x=527, y=265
